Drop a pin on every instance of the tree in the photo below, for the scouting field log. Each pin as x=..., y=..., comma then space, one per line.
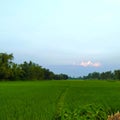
x=5, y=65
x=32, y=71
x=94, y=75
x=61, y=77
x=25, y=71
x=117, y=74
x=17, y=72
x=107, y=75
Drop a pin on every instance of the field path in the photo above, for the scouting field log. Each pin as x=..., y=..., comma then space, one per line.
x=60, y=104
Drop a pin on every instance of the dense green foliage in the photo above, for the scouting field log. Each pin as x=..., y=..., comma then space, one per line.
x=59, y=100
x=108, y=75
x=26, y=71
x=87, y=112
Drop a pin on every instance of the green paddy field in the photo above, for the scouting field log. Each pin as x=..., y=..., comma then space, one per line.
x=59, y=100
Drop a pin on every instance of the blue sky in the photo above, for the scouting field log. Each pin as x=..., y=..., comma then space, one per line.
x=78, y=34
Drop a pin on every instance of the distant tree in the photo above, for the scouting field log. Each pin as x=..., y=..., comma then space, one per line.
x=61, y=77
x=117, y=74
x=17, y=72
x=108, y=75
x=103, y=76
x=5, y=65
x=47, y=74
x=64, y=76
x=31, y=71
x=94, y=75
x=25, y=71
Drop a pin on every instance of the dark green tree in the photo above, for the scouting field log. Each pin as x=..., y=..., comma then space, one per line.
x=25, y=71
x=5, y=65
x=117, y=74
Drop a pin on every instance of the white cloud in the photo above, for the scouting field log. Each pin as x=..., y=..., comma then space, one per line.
x=88, y=63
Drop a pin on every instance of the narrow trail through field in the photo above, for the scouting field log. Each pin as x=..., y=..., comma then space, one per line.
x=60, y=104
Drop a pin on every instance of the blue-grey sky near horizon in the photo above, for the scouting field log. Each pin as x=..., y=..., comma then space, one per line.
x=67, y=36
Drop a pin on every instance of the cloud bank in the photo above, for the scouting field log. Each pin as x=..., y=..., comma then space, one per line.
x=89, y=63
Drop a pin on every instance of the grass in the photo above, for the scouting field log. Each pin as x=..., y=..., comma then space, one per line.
x=59, y=100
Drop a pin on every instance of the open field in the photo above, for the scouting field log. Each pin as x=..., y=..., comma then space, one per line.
x=58, y=100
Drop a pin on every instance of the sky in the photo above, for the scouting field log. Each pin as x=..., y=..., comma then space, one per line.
x=67, y=36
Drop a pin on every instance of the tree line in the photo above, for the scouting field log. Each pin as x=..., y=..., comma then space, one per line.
x=108, y=75
x=25, y=71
